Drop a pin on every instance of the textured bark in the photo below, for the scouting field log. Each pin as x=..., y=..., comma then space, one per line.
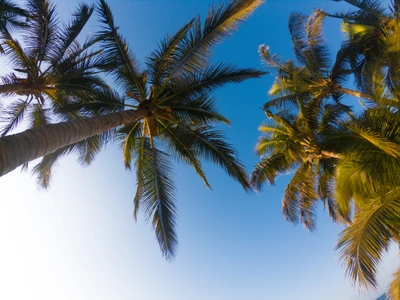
x=12, y=88
x=20, y=148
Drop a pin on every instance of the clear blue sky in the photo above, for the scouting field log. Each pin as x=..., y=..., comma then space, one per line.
x=78, y=240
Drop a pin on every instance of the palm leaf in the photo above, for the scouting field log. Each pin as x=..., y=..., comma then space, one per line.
x=38, y=116
x=13, y=115
x=179, y=148
x=393, y=292
x=42, y=28
x=268, y=168
x=116, y=57
x=210, y=144
x=194, y=51
x=156, y=193
x=361, y=245
x=70, y=32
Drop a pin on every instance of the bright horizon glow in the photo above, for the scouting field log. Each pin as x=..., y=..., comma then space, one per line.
x=78, y=240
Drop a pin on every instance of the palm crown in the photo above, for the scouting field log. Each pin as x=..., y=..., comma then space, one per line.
x=50, y=69
x=296, y=139
x=358, y=156
x=179, y=114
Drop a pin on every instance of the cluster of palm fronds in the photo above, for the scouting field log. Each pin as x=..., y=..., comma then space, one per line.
x=164, y=110
x=350, y=161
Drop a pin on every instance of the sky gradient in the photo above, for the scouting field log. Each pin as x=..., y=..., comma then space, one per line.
x=78, y=240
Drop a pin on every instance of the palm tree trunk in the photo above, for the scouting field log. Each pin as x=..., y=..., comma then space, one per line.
x=330, y=154
x=12, y=88
x=21, y=148
x=353, y=93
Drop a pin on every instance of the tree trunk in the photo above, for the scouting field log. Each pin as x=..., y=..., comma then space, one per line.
x=353, y=93
x=21, y=148
x=330, y=154
x=12, y=88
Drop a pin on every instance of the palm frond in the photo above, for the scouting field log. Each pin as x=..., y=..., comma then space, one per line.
x=308, y=42
x=41, y=35
x=199, y=110
x=268, y=169
x=156, y=194
x=13, y=115
x=362, y=244
x=38, y=116
x=300, y=198
x=193, y=52
x=383, y=144
x=130, y=137
x=210, y=144
x=393, y=291
x=177, y=146
x=11, y=17
x=160, y=61
x=117, y=57
x=44, y=169
x=70, y=32
x=212, y=78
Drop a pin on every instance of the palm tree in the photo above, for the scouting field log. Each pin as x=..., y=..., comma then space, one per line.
x=296, y=143
x=367, y=177
x=50, y=69
x=308, y=111
x=314, y=77
x=172, y=114
x=364, y=148
x=49, y=66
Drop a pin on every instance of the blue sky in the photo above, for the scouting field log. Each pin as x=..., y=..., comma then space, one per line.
x=79, y=241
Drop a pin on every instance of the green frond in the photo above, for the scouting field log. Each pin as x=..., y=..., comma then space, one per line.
x=308, y=42
x=11, y=17
x=88, y=104
x=269, y=168
x=156, y=194
x=194, y=51
x=393, y=291
x=281, y=119
x=383, y=144
x=70, y=32
x=160, y=62
x=199, y=110
x=130, y=137
x=210, y=144
x=179, y=148
x=38, y=116
x=285, y=102
x=210, y=79
x=300, y=199
x=362, y=244
x=275, y=63
x=44, y=169
x=13, y=115
x=325, y=190
x=17, y=57
x=42, y=26
x=370, y=7
x=266, y=145
x=90, y=147
x=117, y=58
